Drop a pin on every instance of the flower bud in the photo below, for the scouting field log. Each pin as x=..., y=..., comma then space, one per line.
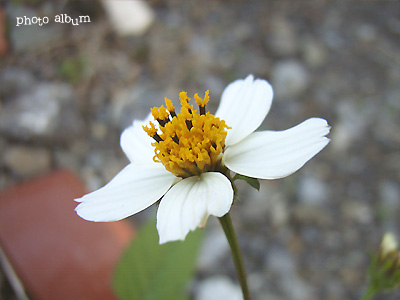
x=384, y=270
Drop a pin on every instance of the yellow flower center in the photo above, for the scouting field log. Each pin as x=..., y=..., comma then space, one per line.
x=188, y=143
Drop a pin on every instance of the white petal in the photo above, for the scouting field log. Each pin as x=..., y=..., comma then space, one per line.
x=136, y=143
x=135, y=188
x=276, y=154
x=188, y=204
x=244, y=105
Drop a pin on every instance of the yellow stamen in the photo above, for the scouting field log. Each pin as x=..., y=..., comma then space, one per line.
x=170, y=106
x=189, y=143
x=160, y=114
x=164, y=115
x=183, y=97
x=202, y=102
x=151, y=131
x=154, y=112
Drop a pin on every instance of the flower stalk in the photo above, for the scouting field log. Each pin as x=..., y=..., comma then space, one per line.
x=227, y=226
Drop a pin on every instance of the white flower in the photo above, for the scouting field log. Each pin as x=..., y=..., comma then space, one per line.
x=186, y=163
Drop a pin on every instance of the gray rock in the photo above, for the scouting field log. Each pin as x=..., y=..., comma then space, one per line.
x=389, y=195
x=352, y=124
x=133, y=103
x=5, y=181
x=99, y=130
x=256, y=204
x=241, y=32
x=393, y=75
x=216, y=86
x=279, y=261
x=202, y=50
x=47, y=112
x=298, y=289
x=92, y=180
x=314, y=53
x=389, y=192
x=336, y=289
x=283, y=265
x=14, y=81
x=366, y=33
x=217, y=288
x=163, y=50
x=279, y=211
x=95, y=159
x=256, y=281
x=67, y=159
x=112, y=166
x=214, y=248
x=289, y=78
x=386, y=128
x=311, y=214
x=27, y=161
x=253, y=62
x=283, y=37
x=267, y=203
x=4, y=178
x=79, y=148
x=358, y=211
x=312, y=190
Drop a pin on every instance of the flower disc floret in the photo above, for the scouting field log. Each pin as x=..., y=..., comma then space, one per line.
x=188, y=143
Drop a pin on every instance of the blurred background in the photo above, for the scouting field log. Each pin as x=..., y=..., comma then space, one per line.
x=68, y=91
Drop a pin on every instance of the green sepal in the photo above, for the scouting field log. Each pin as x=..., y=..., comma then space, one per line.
x=254, y=182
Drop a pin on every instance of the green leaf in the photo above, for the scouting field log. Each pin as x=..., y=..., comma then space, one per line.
x=149, y=271
x=250, y=180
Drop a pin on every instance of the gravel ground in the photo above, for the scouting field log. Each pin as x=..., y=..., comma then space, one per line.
x=67, y=92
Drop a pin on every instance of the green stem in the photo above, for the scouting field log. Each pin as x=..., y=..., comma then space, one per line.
x=369, y=293
x=227, y=226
